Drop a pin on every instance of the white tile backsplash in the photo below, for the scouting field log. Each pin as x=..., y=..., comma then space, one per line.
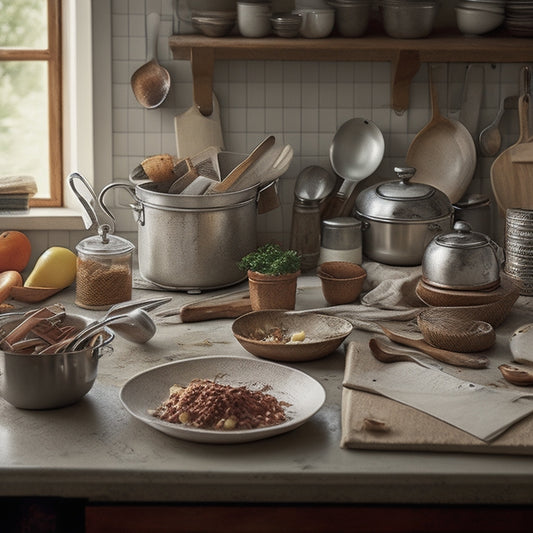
x=301, y=103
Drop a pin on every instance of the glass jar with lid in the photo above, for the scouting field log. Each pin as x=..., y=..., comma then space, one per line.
x=104, y=270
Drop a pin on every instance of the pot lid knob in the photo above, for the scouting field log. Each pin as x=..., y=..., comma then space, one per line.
x=404, y=190
x=405, y=173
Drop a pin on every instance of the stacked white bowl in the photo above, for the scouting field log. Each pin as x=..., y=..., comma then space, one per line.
x=476, y=17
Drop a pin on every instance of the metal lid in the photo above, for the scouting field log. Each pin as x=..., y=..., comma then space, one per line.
x=462, y=237
x=105, y=244
x=341, y=233
x=403, y=201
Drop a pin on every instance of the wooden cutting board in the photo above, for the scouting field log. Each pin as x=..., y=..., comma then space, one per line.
x=370, y=421
x=196, y=132
x=511, y=173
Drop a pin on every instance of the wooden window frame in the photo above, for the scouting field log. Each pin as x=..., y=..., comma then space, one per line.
x=53, y=56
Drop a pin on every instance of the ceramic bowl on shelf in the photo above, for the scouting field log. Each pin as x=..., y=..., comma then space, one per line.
x=316, y=23
x=476, y=21
x=408, y=19
x=351, y=18
x=213, y=26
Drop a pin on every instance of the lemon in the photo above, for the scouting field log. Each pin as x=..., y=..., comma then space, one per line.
x=55, y=268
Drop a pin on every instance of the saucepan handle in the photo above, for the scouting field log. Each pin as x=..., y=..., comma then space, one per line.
x=136, y=207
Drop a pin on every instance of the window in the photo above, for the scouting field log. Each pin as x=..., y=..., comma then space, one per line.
x=31, y=95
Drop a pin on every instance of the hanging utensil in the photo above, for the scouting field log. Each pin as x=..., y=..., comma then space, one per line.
x=443, y=153
x=196, y=132
x=490, y=138
x=472, y=96
x=151, y=82
x=511, y=173
x=355, y=153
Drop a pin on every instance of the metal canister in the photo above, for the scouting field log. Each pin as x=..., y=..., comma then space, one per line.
x=475, y=209
x=341, y=240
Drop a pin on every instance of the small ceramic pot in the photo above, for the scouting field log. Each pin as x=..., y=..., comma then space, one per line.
x=342, y=282
x=272, y=292
x=316, y=23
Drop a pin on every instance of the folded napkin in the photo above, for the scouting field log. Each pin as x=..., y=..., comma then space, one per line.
x=484, y=412
x=18, y=185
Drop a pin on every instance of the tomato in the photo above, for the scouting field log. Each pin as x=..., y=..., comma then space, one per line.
x=15, y=251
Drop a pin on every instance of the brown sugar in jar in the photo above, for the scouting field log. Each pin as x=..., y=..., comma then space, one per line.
x=104, y=271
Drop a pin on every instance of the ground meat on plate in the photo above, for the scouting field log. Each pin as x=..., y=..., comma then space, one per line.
x=209, y=405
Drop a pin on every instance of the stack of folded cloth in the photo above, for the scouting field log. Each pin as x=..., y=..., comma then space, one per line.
x=15, y=192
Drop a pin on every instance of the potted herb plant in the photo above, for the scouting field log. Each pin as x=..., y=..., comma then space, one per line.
x=272, y=276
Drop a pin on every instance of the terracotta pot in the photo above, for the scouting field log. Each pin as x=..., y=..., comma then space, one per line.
x=272, y=292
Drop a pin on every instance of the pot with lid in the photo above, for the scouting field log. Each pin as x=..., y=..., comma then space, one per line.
x=461, y=260
x=399, y=219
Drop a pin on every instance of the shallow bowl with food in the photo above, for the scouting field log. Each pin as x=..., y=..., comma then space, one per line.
x=290, y=336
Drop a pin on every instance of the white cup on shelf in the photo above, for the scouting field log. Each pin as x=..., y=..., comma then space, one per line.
x=253, y=19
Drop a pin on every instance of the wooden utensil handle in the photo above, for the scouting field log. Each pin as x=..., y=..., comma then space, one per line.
x=467, y=360
x=212, y=310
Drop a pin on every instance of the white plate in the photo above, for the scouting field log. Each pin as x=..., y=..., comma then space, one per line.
x=148, y=389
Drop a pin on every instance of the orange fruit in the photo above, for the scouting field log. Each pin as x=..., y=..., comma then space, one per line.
x=15, y=251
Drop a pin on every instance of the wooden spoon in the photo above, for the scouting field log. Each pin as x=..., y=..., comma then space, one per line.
x=151, y=82
x=236, y=173
x=469, y=360
x=516, y=376
x=390, y=354
x=32, y=294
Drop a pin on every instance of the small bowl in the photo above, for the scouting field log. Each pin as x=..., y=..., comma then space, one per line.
x=213, y=27
x=476, y=21
x=323, y=334
x=351, y=19
x=342, y=282
x=410, y=20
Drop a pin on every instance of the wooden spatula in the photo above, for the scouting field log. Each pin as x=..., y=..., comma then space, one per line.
x=511, y=173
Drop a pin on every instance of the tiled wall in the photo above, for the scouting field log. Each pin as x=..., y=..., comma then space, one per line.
x=301, y=103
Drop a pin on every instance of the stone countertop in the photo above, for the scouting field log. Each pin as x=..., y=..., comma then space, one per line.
x=96, y=450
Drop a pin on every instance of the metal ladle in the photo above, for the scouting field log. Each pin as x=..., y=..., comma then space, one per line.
x=135, y=326
x=151, y=82
x=355, y=153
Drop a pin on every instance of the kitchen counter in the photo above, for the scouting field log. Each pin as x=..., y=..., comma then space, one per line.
x=95, y=450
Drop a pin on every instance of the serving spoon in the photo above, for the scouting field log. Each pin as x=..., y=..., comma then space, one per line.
x=151, y=82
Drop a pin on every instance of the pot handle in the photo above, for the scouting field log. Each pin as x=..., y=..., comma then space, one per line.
x=137, y=207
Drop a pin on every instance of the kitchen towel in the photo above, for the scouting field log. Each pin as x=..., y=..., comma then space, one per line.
x=388, y=295
x=482, y=411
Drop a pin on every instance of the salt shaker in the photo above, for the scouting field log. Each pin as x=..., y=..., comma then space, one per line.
x=341, y=240
x=104, y=270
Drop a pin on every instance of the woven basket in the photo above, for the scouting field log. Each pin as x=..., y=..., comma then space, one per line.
x=444, y=330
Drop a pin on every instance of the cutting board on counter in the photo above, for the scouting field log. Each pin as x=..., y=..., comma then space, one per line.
x=374, y=422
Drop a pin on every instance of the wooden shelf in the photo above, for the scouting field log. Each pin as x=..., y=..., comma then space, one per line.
x=405, y=55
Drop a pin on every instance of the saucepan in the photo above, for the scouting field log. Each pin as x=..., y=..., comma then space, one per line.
x=400, y=218
x=46, y=381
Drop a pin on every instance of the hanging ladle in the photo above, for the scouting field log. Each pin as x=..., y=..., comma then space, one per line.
x=355, y=154
x=151, y=82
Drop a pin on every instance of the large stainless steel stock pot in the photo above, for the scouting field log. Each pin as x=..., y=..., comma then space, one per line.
x=192, y=242
x=399, y=219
